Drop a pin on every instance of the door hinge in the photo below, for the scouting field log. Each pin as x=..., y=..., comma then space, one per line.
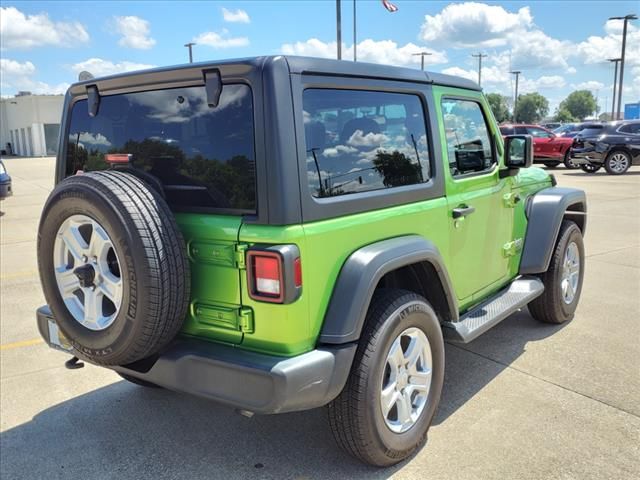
x=241, y=251
x=511, y=199
x=512, y=248
x=246, y=320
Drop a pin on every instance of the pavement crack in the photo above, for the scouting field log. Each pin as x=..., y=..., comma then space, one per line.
x=506, y=365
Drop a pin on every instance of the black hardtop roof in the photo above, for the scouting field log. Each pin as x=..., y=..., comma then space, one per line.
x=297, y=65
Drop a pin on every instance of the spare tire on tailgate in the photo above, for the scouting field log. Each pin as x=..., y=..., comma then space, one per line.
x=113, y=267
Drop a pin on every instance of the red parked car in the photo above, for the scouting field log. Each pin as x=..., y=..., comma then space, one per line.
x=548, y=148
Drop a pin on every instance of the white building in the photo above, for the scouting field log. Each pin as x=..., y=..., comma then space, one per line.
x=30, y=124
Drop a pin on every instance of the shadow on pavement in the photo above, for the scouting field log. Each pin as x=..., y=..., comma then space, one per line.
x=602, y=174
x=126, y=431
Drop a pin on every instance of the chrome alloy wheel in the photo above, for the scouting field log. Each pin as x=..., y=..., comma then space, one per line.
x=87, y=272
x=619, y=162
x=570, y=273
x=406, y=380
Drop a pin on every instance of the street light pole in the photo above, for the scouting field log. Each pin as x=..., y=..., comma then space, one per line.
x=339, y=29
x=355, y=41
x=479, y=56
x=422, y=55
x=615, y=79
x=189, y=45
x=515, y=102
x=626, y=19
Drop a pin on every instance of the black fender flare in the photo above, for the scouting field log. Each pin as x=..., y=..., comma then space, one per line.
x=360, y=275
x=545, y=211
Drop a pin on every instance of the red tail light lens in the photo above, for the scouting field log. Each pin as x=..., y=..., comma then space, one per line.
x=274, y=273
x=267, y=275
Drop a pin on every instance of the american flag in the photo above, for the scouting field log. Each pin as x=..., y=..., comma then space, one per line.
x=389, y=6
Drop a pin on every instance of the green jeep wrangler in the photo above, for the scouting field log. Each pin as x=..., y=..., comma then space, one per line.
x=282, y=233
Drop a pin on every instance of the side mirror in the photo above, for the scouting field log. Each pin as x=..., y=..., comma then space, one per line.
x=518, y=151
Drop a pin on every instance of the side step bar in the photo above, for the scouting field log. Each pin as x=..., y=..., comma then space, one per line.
x=491, y=312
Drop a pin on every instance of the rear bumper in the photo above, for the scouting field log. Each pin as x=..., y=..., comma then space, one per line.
x=239, y=378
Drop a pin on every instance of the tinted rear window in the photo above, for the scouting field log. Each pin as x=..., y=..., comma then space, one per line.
x=203, y=157
x=591, y=130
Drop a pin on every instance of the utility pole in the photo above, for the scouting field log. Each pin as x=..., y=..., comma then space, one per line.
x=422, y=55
x=515, y=102
x=479, y=56
x=339, y=29
x=626, y=19
x=189, y=45
x=355, y=40
x=615, y=79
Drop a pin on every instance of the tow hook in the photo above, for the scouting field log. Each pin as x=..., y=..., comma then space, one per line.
x=73, y=363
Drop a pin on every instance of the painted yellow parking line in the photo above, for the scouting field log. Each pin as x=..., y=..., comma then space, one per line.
x=19, y=274
x=23, y=343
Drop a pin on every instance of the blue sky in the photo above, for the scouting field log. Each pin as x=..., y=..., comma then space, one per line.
x=560, y=46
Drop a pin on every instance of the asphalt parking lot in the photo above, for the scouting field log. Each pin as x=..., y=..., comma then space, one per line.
x=523, y=401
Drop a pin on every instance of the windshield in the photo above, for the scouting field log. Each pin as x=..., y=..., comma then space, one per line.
x=202, y=156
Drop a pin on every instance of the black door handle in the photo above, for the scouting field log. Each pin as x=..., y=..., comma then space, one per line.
x=462, y=211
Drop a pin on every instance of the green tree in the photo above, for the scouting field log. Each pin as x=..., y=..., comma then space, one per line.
x=499, y=106
x=580, y=104
x=532, y=107
x=563, y=115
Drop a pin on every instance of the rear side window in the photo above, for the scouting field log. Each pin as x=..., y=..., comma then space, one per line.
x=469, y=147
x=358, y=141
x=203, y=157
x=633, y=128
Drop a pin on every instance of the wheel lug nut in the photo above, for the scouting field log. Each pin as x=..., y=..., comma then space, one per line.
x=84, y=258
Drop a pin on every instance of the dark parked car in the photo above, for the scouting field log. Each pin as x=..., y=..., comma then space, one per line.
x=548, y=148
x=551, y=125
x=614, y=146
x=570, y=130
x=5, y=182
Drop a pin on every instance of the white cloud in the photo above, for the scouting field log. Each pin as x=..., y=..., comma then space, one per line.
x=16, y=76
x=337, y=150
x=477, y=25
x=359, y=139
x=588, y=85
x=135, y=32
x=18, y=30
x=386, y=52
x=94, y=139
x=597, y=49
x=13, y=68
x=235, y=16
x=100, y=67
x=472, y=24
x=220, y=40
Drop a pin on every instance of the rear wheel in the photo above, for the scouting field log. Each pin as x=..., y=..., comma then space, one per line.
x=590, y=167
x=617, y=163
x=563, y=279
x=384, y=412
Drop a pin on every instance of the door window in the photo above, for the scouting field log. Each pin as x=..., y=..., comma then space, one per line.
x=469, y=147
x=538, y=132
x=359, y=141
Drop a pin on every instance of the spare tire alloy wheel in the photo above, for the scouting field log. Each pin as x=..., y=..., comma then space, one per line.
x=568, y=163
x=113, y=267
x=87, y=272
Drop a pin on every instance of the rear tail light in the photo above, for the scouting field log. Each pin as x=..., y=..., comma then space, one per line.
x=274, y=274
